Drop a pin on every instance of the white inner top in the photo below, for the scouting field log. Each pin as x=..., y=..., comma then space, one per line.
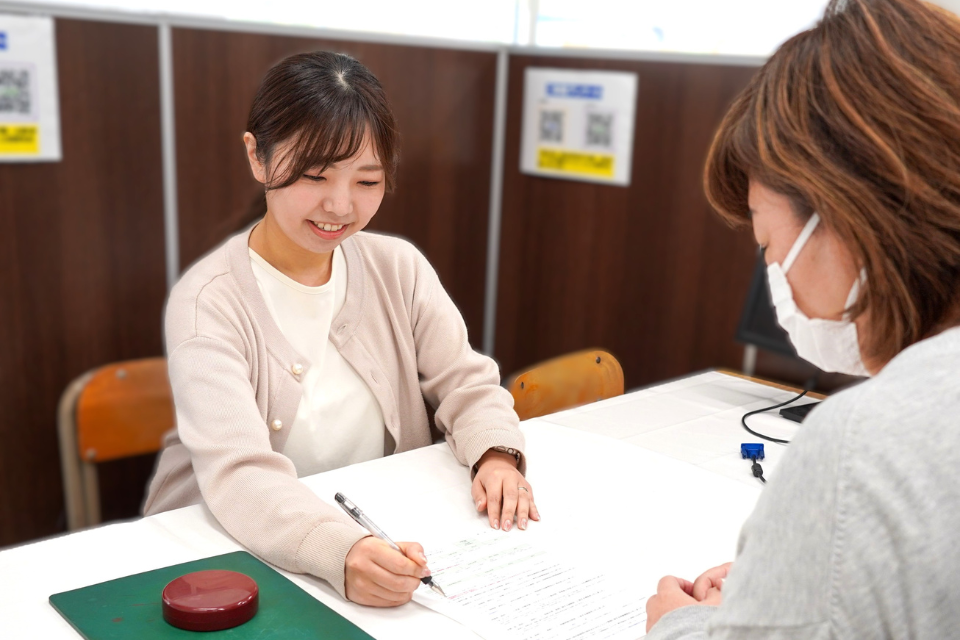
x=339, y=421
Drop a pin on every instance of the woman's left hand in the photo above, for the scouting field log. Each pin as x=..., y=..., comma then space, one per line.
x=674, y=593
x=501, y=489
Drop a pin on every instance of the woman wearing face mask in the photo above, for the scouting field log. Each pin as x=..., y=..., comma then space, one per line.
x=303, y=345
x=843, y=155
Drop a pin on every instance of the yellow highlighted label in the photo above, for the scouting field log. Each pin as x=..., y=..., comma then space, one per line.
x=588, y=164
x=20, y=138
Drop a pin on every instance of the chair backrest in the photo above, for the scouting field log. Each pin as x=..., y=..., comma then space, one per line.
x=568, y=381
x=124, y=410
x=116, y=411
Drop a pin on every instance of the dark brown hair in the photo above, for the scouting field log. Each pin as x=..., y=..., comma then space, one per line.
x=325, y=103
x=859, y=120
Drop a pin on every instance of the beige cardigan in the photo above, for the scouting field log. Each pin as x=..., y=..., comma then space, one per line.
x=236, y=387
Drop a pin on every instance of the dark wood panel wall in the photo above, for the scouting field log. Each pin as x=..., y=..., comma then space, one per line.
x=443, y=101
x=646, y=271
x=82, y=277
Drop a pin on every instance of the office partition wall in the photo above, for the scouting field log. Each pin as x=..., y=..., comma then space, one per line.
x=646, y=271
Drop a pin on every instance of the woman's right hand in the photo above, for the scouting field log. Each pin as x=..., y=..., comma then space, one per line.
x=377, y=575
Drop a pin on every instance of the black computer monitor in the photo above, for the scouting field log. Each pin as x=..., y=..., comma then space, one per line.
x=758, y=322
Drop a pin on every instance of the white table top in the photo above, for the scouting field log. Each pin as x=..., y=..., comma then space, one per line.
x=694, y=419
x=639, y=509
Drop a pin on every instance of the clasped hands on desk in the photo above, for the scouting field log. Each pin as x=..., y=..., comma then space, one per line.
x=627, y=484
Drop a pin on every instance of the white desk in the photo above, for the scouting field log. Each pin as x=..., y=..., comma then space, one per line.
x=679, y=471
x=694, y=419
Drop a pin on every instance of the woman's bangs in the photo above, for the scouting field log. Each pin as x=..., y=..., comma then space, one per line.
x=329, y=141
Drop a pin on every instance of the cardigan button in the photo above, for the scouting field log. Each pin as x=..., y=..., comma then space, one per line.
x=276, y=425
x=297, y=369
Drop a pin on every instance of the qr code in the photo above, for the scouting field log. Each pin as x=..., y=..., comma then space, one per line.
x=600, y=130
x=551, y=126
x=15, y=94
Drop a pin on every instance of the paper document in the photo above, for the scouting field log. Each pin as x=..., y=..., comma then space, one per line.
x=509, y=586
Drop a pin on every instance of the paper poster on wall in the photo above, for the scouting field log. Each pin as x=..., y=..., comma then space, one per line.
x=29, y=105
x=578, y=125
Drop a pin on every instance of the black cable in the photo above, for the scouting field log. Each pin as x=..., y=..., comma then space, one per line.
x=811, y=383
x=743, y=420
x=757, y=471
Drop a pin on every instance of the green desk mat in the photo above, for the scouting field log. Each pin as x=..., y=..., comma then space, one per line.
x=130, y=607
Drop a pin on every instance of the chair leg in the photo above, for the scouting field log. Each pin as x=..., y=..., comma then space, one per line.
x=91, y=494
x=73, y=491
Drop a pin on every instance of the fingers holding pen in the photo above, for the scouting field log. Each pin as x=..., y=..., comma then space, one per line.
x=408, y=563
x=389, y=586
x=414, y=551
x=376, y=574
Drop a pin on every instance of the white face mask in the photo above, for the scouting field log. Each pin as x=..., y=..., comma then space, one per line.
x=831, y=345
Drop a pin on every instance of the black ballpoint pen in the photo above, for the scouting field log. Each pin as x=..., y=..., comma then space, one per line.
x=354, y=512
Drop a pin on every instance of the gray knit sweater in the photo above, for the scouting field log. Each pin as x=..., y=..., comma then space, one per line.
x=858, y=535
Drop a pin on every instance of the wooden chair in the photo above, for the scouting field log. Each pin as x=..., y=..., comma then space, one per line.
x=568, y=381
x=116, y=411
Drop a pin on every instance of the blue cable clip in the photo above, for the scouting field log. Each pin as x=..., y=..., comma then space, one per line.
x=750, y=451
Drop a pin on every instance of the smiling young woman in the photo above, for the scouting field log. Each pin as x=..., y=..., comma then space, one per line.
x=305, y=344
